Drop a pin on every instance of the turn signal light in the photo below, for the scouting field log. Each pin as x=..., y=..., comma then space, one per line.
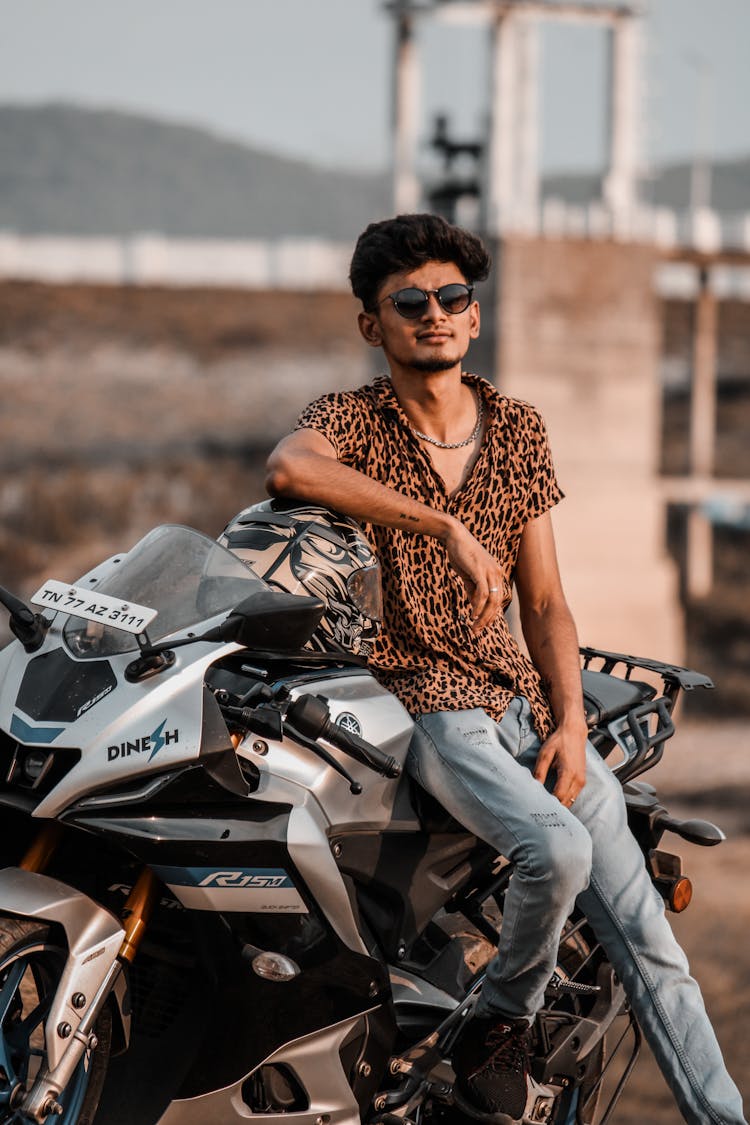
x=275, y=966
x=676, y=892
x=682, y=893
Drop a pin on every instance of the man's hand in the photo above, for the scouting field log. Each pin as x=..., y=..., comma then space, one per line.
x=479, y=572
x=565, y=752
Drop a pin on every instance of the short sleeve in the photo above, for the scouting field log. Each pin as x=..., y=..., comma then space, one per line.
x=340, y=417
x=543, y=490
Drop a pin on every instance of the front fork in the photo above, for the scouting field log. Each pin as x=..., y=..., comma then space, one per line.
x=41, y=1100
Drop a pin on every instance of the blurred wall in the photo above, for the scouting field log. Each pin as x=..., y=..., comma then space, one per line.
x=579, y=335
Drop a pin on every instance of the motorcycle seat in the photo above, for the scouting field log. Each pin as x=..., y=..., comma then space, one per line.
x=606, y=697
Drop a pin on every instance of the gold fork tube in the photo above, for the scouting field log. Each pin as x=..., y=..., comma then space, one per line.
x=140, y=902
x=137, y=911
x=43, y=848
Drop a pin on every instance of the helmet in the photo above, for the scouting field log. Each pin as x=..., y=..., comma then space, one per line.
x=304, y=549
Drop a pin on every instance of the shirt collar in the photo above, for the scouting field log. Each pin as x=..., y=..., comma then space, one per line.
x=387, y=398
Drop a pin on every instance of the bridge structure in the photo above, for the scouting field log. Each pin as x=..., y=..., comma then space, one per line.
x=576, y=312
x=573, y=317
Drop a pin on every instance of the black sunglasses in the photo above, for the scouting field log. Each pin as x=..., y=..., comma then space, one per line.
x=413, y=303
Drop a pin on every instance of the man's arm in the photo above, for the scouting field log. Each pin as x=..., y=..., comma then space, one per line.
x=304, y=465
x=551, y=638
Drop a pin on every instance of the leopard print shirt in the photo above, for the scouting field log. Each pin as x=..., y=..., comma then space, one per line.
x=427, y=654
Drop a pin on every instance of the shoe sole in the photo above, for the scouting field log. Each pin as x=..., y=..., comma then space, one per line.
x=535, y=1092
x=478, y=1115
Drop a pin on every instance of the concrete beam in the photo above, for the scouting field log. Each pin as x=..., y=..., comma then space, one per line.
x=699, y=490
x=456, y=12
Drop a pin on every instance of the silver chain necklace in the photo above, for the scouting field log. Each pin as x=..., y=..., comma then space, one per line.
x=454, y=444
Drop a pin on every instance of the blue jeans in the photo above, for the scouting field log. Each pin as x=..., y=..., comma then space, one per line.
x=480, y=771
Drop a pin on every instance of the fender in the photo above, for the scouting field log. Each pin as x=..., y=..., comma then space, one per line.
x=93, y=935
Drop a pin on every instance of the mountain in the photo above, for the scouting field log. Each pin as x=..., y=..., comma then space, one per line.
x=69, y=170
x=65, y=169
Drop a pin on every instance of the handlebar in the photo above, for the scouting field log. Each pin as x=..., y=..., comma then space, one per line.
x=309, y=714
x=307, y=720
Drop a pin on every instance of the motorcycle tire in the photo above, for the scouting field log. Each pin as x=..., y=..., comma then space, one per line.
x=31, y=964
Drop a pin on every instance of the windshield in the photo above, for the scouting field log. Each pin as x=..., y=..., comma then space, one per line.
x=181, y=573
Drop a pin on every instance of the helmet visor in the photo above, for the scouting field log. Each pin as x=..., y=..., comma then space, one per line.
x=365, y=590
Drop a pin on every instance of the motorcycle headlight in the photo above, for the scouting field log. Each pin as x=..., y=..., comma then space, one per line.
x=33, y=765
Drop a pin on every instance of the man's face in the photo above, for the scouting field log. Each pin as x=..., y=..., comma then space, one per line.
x=434, y=341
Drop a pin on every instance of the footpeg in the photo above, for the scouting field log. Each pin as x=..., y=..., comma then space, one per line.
x=562, y=984
x=393, y=1119
x=542, y=1110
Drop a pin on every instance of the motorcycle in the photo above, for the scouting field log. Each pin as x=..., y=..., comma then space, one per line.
x=222, y=897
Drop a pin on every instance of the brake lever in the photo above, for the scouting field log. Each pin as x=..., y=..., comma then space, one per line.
x=354, y=786
x=311, y=713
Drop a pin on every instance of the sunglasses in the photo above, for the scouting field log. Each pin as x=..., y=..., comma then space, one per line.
x=413, y=303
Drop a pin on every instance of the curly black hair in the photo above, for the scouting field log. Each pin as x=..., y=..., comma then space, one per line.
x=408, y=241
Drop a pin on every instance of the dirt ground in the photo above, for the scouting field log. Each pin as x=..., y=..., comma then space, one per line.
x=706, y=773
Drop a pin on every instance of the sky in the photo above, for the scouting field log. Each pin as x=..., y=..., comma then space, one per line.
x=312, y=78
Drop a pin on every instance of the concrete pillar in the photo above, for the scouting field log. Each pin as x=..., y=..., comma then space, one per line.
x=500, y=170
x=526, y=207
x=700, y=171
x=406, y=98
x=621, y=179
x=702, y=435
x=579, y=335
x=700, y=554
x=703, y=397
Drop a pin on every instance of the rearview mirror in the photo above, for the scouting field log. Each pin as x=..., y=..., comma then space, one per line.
x=272, y=620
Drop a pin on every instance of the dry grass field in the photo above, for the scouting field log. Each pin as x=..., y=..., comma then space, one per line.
x=123, y=408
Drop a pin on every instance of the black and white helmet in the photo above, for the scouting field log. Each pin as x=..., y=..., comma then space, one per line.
x=305, y=549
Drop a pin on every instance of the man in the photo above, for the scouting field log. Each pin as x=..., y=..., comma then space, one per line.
x=455, y=484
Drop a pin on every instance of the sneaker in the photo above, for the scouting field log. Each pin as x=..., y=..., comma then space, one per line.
x=491, y=1064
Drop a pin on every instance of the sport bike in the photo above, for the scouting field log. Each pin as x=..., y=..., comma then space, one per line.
x=222, y=898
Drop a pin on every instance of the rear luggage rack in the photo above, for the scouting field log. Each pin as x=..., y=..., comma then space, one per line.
x=624, y=712
x=673, y=676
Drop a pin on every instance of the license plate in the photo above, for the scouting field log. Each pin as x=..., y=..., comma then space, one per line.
x=128, y=616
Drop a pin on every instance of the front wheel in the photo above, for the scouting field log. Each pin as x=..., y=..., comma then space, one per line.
x=31, y=964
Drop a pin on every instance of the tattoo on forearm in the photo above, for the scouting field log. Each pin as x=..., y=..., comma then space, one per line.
x=407, y=516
